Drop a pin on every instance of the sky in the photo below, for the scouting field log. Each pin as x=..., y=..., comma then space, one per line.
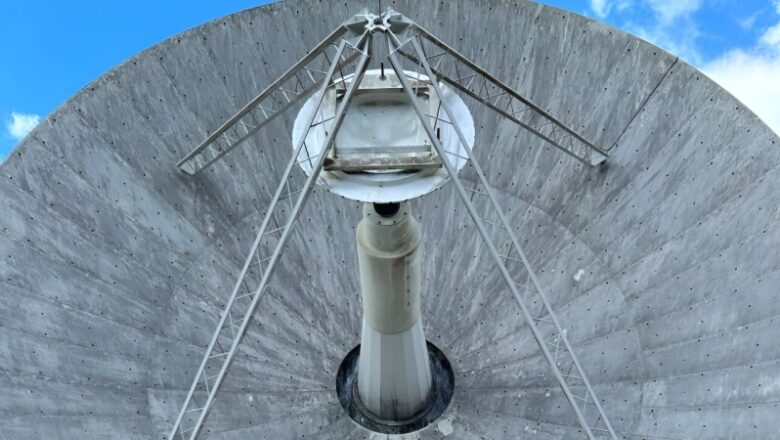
x=51, y=48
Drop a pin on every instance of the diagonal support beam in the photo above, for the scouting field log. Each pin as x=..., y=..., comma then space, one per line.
x=291, y=88
x=455, y=69
x=564, y=353
x=258, y=268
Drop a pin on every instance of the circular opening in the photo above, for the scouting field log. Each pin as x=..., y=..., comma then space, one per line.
x=387, y=209
x=441, y=394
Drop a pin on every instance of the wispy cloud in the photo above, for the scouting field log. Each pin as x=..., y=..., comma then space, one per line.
x=19, y=124
x=748, y=22
x=668, y=11
x=771, y=37
x=602, y=8
x=666, y=23
x=753, y=75
x=681, y=41
x=674, y=27
x=665, y=11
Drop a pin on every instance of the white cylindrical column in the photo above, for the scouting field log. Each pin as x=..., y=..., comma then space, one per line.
x=394, y=374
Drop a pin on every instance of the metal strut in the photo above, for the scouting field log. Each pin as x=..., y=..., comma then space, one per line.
x=544, y=324
x=450, y=66
x=254, y=278
x=303, y=78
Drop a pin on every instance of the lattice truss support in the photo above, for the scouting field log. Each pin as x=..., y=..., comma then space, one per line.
x=293, y=87
x=504, y=247
x=286, y=205
x=348, y=50
x=451, y=67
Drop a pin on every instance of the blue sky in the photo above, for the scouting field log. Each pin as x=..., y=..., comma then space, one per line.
x=52, y=48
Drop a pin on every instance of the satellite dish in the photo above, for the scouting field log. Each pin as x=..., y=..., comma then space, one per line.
x=659, y=260
x=397, y=385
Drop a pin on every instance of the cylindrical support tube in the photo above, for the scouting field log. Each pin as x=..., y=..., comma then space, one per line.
x=394, y=375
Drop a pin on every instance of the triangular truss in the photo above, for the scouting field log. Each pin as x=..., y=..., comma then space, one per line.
x=348, y=49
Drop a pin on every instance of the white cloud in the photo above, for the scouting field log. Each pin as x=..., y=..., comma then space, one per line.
x=753, y=76
x=673, y=28
x=754, y=79
x=771, y=37
x=680, y=41
x=668, y=11
x=602, y=8
x=20, y=124
x=748, y=22
x=750, y=74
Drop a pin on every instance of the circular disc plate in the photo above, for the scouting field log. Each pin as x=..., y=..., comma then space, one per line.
x=384, y=187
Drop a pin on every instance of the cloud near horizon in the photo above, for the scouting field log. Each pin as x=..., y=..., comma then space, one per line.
x=751, y=74
x=20, y=124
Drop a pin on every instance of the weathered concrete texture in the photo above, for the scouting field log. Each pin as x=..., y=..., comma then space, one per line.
x=115, y=267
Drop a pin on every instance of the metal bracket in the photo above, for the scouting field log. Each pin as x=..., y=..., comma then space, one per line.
x=383, y=163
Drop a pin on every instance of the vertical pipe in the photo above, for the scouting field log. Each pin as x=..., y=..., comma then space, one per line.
x=394, y=374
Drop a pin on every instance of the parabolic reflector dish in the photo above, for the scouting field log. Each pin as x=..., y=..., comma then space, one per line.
x=663, y=261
